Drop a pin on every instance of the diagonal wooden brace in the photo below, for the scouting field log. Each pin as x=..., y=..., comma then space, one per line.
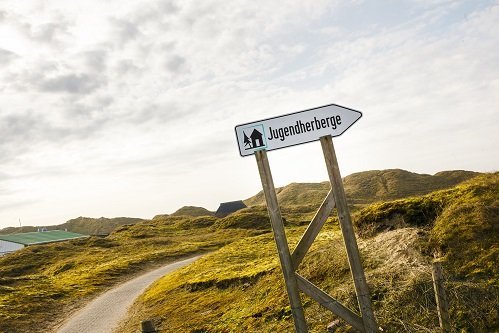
x=313, y=229
x=330, y=303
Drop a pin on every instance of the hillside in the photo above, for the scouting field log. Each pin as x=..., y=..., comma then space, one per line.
x=464, y=225
x=193, y=211
x=240, y=289
x=41, y=284
x=82, y=225
x=298, y=200
x=367, y=187
x=102, y=225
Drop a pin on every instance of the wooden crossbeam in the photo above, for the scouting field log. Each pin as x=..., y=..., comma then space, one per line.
x=330, y=303
x=313, y=229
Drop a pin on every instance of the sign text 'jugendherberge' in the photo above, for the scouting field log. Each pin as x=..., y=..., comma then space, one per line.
x=295, y=128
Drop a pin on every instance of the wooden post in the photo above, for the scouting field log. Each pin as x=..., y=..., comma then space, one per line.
x=281, y=241
x=147, y=327
x=352, y=249
x=441, y=297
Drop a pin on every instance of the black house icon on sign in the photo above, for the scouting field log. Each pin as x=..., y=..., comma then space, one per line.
x=256, y=139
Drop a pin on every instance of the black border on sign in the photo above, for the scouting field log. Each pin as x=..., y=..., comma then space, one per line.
x=288, y=114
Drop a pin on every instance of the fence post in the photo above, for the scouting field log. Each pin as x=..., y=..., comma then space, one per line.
x=440, y=297
x=147, y=327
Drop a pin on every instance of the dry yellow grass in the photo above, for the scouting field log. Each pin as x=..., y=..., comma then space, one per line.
x=240, y=289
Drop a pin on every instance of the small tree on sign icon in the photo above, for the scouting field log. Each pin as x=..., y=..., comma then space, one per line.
x=247, y=141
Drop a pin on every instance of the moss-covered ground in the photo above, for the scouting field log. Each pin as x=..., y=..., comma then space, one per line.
x=239, y=288
x=39, y=285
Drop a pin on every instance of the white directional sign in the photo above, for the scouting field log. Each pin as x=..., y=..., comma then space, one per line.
x=294, y=128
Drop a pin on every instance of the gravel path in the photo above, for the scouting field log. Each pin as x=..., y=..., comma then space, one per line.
x=104, y=313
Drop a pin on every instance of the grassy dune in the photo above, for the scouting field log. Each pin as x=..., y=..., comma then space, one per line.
x=40, y=284
x=82, y=225
x=193, y=211
x=367, y=187
x=463, y=225
x=240, y=289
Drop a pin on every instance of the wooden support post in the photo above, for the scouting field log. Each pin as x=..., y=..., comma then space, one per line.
x=147, y=327
x=313, y=230
x=441, y=297
x=281, y=241
x=352, y=249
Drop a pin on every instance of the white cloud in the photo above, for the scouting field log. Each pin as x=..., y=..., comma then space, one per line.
x=132, y=102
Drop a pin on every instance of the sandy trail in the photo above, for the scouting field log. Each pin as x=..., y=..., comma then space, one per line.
x=105, y=312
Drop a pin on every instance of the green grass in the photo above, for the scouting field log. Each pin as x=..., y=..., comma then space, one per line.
x=213, y=289
x=462, y=224
x=240, y=288
x=40, y=283
x=467, y=230
x=245, y=220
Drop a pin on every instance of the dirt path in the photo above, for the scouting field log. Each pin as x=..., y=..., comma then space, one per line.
x=104, y=313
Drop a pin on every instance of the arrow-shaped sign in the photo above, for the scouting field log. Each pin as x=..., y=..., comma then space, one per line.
x=295, y=128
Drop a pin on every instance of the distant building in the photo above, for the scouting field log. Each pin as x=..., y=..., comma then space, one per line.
x=227, y=208
x=14, y=242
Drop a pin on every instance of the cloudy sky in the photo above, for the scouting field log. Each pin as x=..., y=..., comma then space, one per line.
x=128, y=108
